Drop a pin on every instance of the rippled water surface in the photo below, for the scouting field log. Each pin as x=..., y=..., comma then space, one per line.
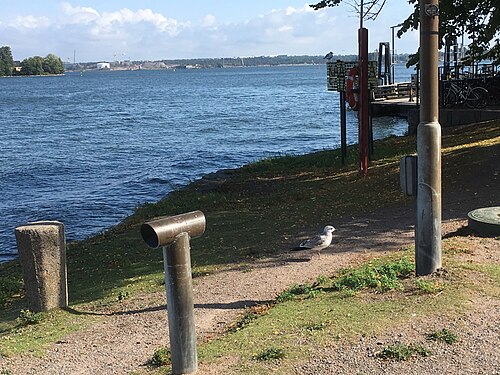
x=86, y=148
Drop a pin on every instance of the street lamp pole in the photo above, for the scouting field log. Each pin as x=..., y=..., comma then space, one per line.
x=428, y=225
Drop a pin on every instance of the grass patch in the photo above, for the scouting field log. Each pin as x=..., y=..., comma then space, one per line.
x=429, y=286
x=300, y=324
x=50, y=327
x=382, y=278
x=270, y=354
x=27, y=317
x=161, y=357
x=403, y=352
x=443, y=335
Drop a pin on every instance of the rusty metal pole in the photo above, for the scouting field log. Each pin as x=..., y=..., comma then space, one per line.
x=364, y=98
x=428, y=225
x=343, y=128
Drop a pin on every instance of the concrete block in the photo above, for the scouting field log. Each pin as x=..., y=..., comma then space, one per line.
x=42, y=253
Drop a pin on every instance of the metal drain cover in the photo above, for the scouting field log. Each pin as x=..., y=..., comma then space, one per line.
x=485, y=221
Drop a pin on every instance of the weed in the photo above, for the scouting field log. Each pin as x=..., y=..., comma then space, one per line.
x=5, y=372
x=161, y=357
x=122, y=295
x=296, y=290
x=402, y=352
x=383, y=278
x=27, y=317
x=270, y=354
x=429, y=286
x=322, y=280
x=284, y=296
x=444, y=335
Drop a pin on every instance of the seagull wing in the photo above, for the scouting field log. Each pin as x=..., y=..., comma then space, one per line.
x=314, y=242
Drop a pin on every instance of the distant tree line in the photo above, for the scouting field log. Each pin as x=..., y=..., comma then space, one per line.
x=269, y=60
x=36, y=65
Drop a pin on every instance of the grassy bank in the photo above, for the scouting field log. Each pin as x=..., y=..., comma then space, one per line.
x=259, y=210
x=381, y=300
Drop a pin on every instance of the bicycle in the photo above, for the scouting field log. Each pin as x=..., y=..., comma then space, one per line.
x=462, y=92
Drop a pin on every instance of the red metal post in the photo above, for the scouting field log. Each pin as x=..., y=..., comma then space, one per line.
x=363, y=114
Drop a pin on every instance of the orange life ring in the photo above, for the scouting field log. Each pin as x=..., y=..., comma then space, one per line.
x=352, y=88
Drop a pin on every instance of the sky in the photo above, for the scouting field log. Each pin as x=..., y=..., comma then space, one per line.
x=111, y=30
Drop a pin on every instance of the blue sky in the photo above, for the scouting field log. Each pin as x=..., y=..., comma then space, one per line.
x=160, y=29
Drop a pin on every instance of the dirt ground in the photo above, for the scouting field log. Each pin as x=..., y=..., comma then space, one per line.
x=125, y=339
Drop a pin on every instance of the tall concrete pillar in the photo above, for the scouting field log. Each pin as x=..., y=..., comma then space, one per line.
x=42, y=253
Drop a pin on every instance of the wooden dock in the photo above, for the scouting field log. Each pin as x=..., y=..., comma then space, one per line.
x=448, y=117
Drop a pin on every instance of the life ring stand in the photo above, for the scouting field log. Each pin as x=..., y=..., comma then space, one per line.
x=352, y=88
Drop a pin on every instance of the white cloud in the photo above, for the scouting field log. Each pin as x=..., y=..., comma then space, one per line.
x=30, y=22
x=209, y=21
x=78, y=14
x=146, y=34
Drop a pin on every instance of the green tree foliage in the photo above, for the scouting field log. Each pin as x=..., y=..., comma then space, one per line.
x=32, y=66
x=37, y=65
x=478, y=19
x=53, y=64
x=6, y=61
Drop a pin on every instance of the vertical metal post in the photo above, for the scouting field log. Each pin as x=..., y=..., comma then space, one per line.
x=343, y=130
x=370, y=128
x=180, y=307
x=428, y=225
x=392, y=57
x=363, y=125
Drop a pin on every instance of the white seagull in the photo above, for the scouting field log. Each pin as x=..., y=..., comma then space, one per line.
x=318, y=242
x=329, y=55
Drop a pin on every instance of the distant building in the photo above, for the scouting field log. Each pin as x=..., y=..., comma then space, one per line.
x=103, y=65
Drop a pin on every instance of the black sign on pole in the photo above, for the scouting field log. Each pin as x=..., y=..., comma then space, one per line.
x=337, y=72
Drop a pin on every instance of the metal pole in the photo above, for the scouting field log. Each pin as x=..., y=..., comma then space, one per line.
x=343, y=130
x=428, y=225
x=363, y=122
x=180, y=307
x=392, y=56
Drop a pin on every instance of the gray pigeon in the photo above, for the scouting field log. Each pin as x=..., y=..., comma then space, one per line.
x=318, y=242
x=329, y=55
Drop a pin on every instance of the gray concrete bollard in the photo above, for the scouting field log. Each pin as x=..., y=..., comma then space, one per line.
x=173, y=233
x=42, y=254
